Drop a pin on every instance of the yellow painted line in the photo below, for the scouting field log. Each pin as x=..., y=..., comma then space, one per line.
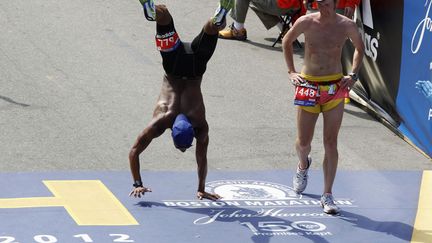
x=88, y=202
x=91, y=203
x=30, y=202
x=423, y=223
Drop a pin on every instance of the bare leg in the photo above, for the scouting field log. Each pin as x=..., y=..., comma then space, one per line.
x=305, y=130
x=211, y=29
x=163, y=16
x=332, y=123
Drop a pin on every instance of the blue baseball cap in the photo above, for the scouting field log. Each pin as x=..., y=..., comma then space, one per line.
x=182, y=132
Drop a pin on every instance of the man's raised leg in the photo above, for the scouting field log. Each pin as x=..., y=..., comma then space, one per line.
x=167, y=39
x=158, y=13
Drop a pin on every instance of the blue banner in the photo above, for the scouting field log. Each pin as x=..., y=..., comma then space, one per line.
x=414, y=99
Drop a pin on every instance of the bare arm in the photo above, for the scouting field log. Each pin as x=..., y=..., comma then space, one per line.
x=356, y=39
x=201, y=159
x=202, y=141
x=141, y=143
x=287, y=47
x=288, y=40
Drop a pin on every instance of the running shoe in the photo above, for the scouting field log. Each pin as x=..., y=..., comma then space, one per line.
x=232, y=33
x=328, y=205
x=149, y=9
x=301, y=177
x=224, y=7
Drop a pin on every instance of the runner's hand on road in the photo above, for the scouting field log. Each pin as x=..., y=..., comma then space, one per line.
x=138, y=191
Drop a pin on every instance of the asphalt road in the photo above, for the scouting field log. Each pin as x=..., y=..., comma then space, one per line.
x=79, y=80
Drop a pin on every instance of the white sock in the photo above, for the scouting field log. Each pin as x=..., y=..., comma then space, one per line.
x=238, y=25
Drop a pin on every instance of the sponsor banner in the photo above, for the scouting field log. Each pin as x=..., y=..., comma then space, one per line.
x=396, y=77
x=379, y=24
x=256, y=207
x=414, y=100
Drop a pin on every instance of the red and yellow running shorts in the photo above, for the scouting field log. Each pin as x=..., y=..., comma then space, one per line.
x=326, y=100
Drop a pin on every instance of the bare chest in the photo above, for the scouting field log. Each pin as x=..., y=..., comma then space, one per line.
x=325, y=37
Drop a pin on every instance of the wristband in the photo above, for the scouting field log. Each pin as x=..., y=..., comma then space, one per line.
x=353, y=76
x=138, y=184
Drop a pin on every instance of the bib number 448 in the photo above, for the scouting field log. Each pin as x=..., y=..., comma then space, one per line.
x=306, y=95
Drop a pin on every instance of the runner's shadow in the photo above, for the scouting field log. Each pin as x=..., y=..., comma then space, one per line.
x=263, y=46
x=400, y=230
x=360, y=114
x=251, y=220
x=313, y=196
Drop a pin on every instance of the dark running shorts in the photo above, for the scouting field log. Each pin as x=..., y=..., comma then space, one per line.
x=183, y=59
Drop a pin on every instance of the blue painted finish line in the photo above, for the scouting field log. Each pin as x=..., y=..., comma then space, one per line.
x=257, y=207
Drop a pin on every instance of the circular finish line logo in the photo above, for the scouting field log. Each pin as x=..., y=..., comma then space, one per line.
x=251, y=190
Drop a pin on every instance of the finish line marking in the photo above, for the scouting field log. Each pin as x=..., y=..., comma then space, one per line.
x=88, y=202
x=423, y=223
x=95, y=207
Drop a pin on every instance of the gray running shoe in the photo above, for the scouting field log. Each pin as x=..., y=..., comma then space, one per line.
x=328, y=205
x=224, y=7
x=149, y=9
x=301, y=177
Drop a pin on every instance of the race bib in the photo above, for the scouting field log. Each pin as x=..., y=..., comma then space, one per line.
x=167, y=42
x=306, y=94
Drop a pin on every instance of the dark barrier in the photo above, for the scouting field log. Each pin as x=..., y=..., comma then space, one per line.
x=396, y=73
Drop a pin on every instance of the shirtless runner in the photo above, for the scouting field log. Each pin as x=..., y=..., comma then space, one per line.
x=180, y=105
x=321, y=87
